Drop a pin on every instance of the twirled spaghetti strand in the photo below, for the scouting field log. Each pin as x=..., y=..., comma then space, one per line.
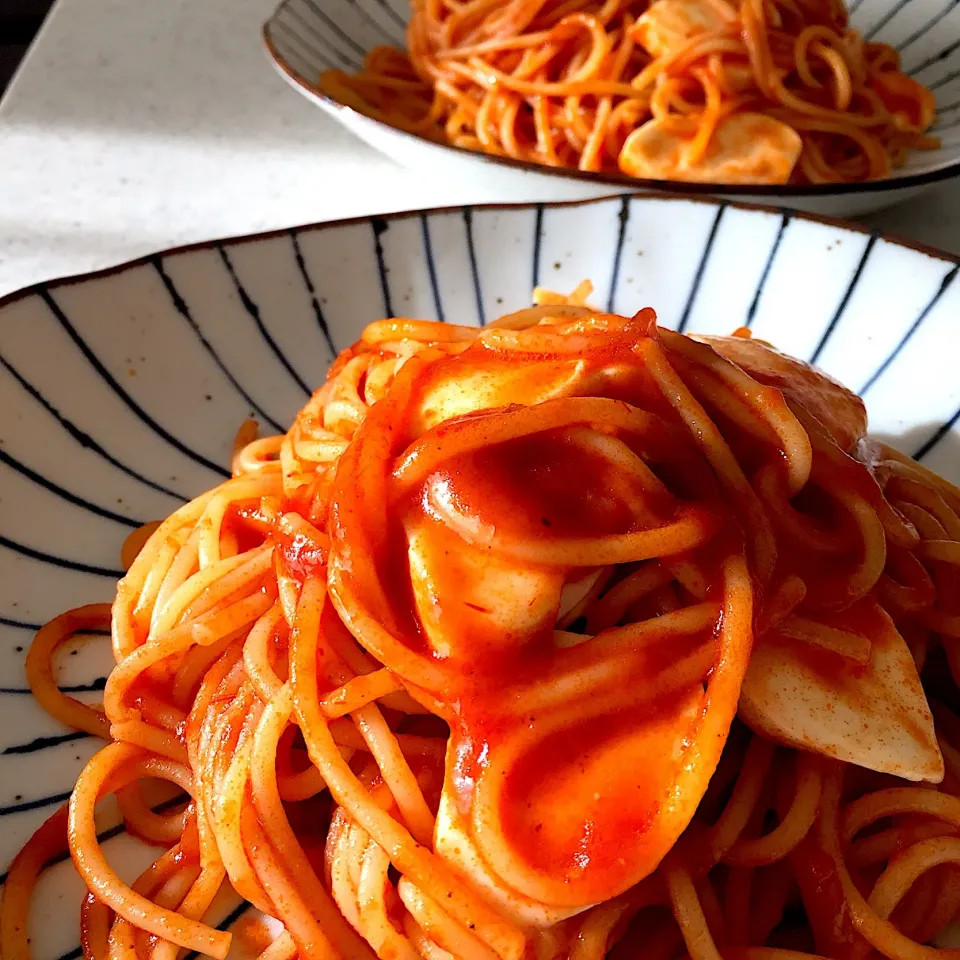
x=755, y=91
x=453, y=667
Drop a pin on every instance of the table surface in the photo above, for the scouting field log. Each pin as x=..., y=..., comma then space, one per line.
x=133, y=127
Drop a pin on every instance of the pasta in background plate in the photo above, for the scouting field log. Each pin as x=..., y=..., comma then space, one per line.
x=716, y=91
x=564, y=637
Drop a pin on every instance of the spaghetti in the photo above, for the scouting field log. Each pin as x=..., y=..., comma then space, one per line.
x=718, y=91
x=563, y=638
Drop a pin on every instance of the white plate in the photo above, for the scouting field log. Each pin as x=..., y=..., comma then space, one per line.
x=121, y=391
x=305, y=37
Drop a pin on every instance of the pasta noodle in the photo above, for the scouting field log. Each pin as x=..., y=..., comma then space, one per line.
x=564, y=638
x=719, y=91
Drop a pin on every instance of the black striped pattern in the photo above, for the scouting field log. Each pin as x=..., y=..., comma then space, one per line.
x=298, y=53
x=104, y=836
x=396, y=36
x=949, y=107
x=944, y=80
x=119, y=829
x=53, y=560
x=19, y=624
x=537, y=244
x=886, y=18
x=397, y=19
x=380, y=226
x=84, y=439
x=431, y=267
x=952, y=125
x=911, y=330
x=254, y=311
x=474, y=270
x=927, y=25
x=848, y=293
x=180, y=305
x=312, y=292
x=936, y=58
x=701, y=268
x=21, y=806
x=937, y=436
x=43, y=743
x=623, y=219
x=767, y=267
x=56, y=489
x=93, y=687
x=315, y=39
x=114, y=385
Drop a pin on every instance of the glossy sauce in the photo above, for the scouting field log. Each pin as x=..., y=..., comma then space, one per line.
x=579, y=797
x=565, y=758
x=299, y=556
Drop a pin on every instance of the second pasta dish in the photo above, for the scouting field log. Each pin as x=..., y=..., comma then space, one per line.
x=717, y=91
x=563, y=638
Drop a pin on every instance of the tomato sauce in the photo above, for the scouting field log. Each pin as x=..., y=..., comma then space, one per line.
x=568, y=755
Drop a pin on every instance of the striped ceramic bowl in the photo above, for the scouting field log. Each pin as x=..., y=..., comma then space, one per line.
x=147, y=370
x=305, y=37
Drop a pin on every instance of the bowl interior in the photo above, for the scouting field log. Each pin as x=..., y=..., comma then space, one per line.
x=306, y=37
x=147, y=371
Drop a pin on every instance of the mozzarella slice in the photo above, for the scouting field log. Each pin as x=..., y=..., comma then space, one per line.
x=840, y=410
x=668, y=24
x=470, y=601
x=875, y=716
x=575, y=804
x=488, y=383
x=745, y=148
x=452, y=842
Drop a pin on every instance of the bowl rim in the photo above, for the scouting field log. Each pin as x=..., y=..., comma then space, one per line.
x=662, y=196
x=617, y=180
